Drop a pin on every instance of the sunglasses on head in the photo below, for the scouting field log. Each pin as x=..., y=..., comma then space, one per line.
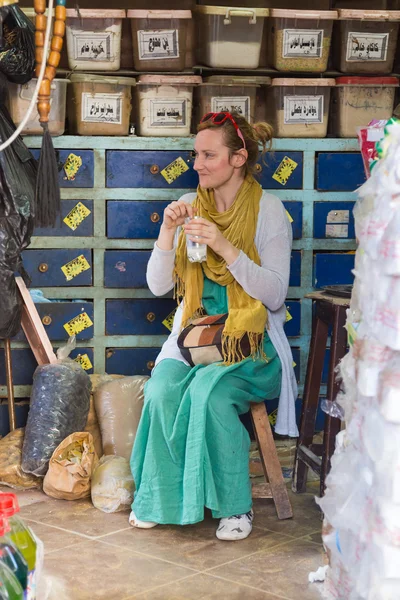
x=219, y=118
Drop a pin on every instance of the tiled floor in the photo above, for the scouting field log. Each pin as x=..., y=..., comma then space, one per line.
x=91, y=555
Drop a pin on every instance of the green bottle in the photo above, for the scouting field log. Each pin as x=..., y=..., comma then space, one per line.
x=10, y=587
x=11, y=556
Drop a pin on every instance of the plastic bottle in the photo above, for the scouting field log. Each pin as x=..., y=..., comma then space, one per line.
x=22, y=537
x=10, y=587
x=11, y=556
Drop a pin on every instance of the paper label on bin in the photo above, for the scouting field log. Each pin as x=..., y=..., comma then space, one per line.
x=369, y=47
x=75, y=216
x=289, y=216
x=164, y=112
x=78, y=324
x=169, y=321
x=72, y=166
x=232, y=104
x=84, y=361
x=102, y=108
x=284, y=171
x=303, y=109
x=75, y=267
x=337, y=231
x=288, y=316
x=302, y=43
x=338, y=216
x=158, y=44
x=174, y=170
x=93, y=45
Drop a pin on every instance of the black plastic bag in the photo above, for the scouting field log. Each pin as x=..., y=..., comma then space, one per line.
x=17, y=200
x=17, y=45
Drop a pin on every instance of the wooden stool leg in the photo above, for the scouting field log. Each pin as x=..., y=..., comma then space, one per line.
x=312, y=386
x=332, y=424
x=269, y=460
x=10, y=387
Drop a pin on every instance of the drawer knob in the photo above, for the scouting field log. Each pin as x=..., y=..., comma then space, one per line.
x=43, y=267
x=155, y=217
x=46, y=320
x=258, y=168
x=109, y=353
x=150, y=365
x=154, y=169
x=151, y=317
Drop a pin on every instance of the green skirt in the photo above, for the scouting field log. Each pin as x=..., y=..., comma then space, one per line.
x=191, y=449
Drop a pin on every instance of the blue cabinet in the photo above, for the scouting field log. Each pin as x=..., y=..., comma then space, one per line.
x=292, y=327
x=131, y=361
x=295, y=269
x=134, y=220
x=140, y=316
x=339, y=171
x=84, y=177
x=333, y=268
x=45, y=267
x=295, y=210
x=55, y=316
x=81, y=222
x=334, y=220
x=125, y=268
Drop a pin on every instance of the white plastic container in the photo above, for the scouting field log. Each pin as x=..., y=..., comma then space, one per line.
x=20, y=96
x=165, y=104
x=300, y=40
x=230, y=37
x=358, y=100
x=94, y=39
x=229, y=93
x=299, y=108
x=159, y=39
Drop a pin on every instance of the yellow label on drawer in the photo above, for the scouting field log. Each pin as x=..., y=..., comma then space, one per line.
x=169, y=321
x=294, y=364
x=78, y=324
x=174, y=170
x=72, y=166
x=284, y=171
x=289, y=216
x=288, y=316
x=75, y=267
x=84, y=361
x=272, y=416
x=75, y=216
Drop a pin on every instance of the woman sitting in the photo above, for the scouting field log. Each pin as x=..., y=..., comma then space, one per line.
x=191, y=449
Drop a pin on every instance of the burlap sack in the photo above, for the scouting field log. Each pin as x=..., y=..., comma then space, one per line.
x=11, y=473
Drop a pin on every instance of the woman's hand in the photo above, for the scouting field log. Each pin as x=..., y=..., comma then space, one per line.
x=175, y=215
x=204, y=232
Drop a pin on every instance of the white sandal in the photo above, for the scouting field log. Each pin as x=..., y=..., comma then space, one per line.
x=140, y=524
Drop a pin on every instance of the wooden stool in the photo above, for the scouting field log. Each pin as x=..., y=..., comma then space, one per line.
x=329, y=310
x=275, y=484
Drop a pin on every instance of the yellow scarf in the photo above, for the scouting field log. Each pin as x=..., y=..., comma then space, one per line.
x=238, y=225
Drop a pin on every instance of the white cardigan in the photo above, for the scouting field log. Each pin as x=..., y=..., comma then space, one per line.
x=268, y=283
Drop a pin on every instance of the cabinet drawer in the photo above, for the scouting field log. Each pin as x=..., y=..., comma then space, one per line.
x=24, y=364
x=295, y=269
x=142, y=316
x=292, y=327
x=339, y=171
x=295, y=210
x=334, y=220
x=21, y=414
x=45, y=267
x=136, y=169
x=134, y=220
x=79, y=222
x=332, y=268
x=131, y=361
x=55, y=315
x=84, y=177
x=289, y=180
x=125, y=268
x=296, y=359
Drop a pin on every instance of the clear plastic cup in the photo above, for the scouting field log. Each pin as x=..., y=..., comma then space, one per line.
x=196, y=252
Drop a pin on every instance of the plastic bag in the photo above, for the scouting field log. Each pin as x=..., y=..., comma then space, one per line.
x=11, y=473
x=71, y=468
x=59, y=406
x=17, y=45
x=112, y=484
x=92, y=426
x=119, y=405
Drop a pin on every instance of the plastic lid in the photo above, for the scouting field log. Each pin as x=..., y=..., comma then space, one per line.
x=95, y=13
x=231, y=80
x=369, y=15
x=303, y=82
x=169, y=79
x=4, y=526
x=8, y=505
x=232, y=12
x=368, y=81
x=159, y=14
x=84, y=78
x=303, y=14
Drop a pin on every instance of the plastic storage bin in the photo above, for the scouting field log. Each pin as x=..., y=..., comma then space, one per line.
x=358, y=100
x=230, y=37
x=159, y=39
x=94, y=39
x=299, y=107
x=366, y=41
x=164, y=106
x=20, y=96
x=100, y=105
x=300, y=40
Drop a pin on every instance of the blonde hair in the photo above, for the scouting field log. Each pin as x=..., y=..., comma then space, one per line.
x=259, y=134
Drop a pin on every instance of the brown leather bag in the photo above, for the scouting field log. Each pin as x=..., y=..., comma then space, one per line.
x=200, y=342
